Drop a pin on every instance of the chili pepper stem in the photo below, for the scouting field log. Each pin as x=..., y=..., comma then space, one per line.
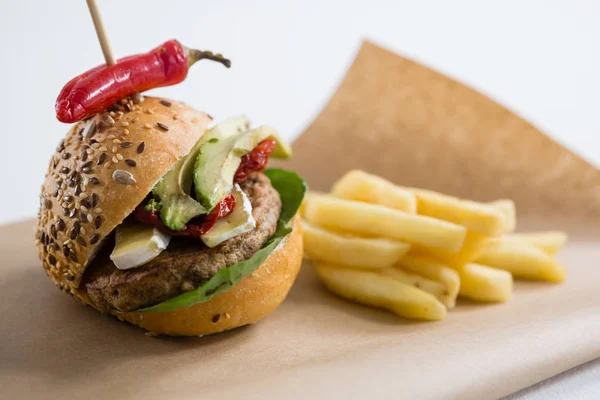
x=194, y=55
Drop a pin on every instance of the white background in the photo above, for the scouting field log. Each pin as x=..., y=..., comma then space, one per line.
x=539, y=58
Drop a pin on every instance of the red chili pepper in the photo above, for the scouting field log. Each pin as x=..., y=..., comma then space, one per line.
x=256, y=160
x=224, y=208
x=97, y=89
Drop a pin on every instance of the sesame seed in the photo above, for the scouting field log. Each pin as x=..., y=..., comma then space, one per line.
x=103, y=148
x=162, y=126
x=126, y=145
x=95, y=237
x=126, y=132
x=111, y=137
x=123, y=177
x=165, y=103
x=85, y=209
x=114, y=149
x=98, y=210
x=83, y=230
x=124, y=123
x=90, y=218
x=119, y=157
x=115, y=160
x=141, y=147
x=83, y=196
x=148, y=111
x=137, y=98
x=106, y=119
x=89, y=151
x=112, y=113
x=131, y=163
x=107, y=165
x=67, y=198
x=96, y=146
x=147, y=126
x=116, y=141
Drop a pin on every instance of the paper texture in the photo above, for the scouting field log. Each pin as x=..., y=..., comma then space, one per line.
x=413, y=126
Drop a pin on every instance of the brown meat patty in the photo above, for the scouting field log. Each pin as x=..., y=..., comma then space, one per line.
x=187, y=263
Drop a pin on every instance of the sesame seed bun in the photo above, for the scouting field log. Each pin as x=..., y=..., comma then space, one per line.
x=101, y=170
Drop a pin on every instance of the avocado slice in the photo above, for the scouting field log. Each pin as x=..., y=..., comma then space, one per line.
x=219, y=159
x=173, y=190
x=177, y=207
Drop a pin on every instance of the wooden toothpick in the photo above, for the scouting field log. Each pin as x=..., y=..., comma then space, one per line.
x=100, y=32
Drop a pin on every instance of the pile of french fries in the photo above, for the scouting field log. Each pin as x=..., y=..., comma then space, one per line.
x=414, y=251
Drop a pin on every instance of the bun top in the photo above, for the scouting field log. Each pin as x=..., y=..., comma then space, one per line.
x=101, y=170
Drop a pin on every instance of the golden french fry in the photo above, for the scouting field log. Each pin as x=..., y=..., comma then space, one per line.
x=373, y=289
x=438, y=289
x=523, y=260
x=508, y=209
x=436, y=271
x=475, y=244
x=328, y=246
x=549, y=242
x=483, y=283
x=375, y=220
x=361, y=186
x=478, y=217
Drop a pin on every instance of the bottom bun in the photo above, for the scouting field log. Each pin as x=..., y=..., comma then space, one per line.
x=252, y=299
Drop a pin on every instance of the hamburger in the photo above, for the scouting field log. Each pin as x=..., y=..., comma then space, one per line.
x=152, y=213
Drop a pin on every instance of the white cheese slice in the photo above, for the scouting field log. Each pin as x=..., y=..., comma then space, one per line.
x=238, y=222
x=136, y=244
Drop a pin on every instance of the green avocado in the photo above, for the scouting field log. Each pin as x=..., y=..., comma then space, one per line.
x=176, y=205
x=220, y=157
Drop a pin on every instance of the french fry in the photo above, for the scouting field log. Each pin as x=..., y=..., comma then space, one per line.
x=549, y=242
x=438, y=289
x=475, y=245
x=483, y=283
x=478, y=217
x=524, y=261
x=375, y=220
x=361, y=186
x=324, y=245
x=373, y=289
x=436, y=271
x=508, y=209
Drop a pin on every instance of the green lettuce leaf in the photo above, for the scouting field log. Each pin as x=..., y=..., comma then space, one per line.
x=291, y=189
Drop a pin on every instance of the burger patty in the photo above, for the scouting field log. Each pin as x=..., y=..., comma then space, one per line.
x=187, y=263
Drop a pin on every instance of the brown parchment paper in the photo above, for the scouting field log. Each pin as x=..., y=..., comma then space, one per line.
x=414, y=126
